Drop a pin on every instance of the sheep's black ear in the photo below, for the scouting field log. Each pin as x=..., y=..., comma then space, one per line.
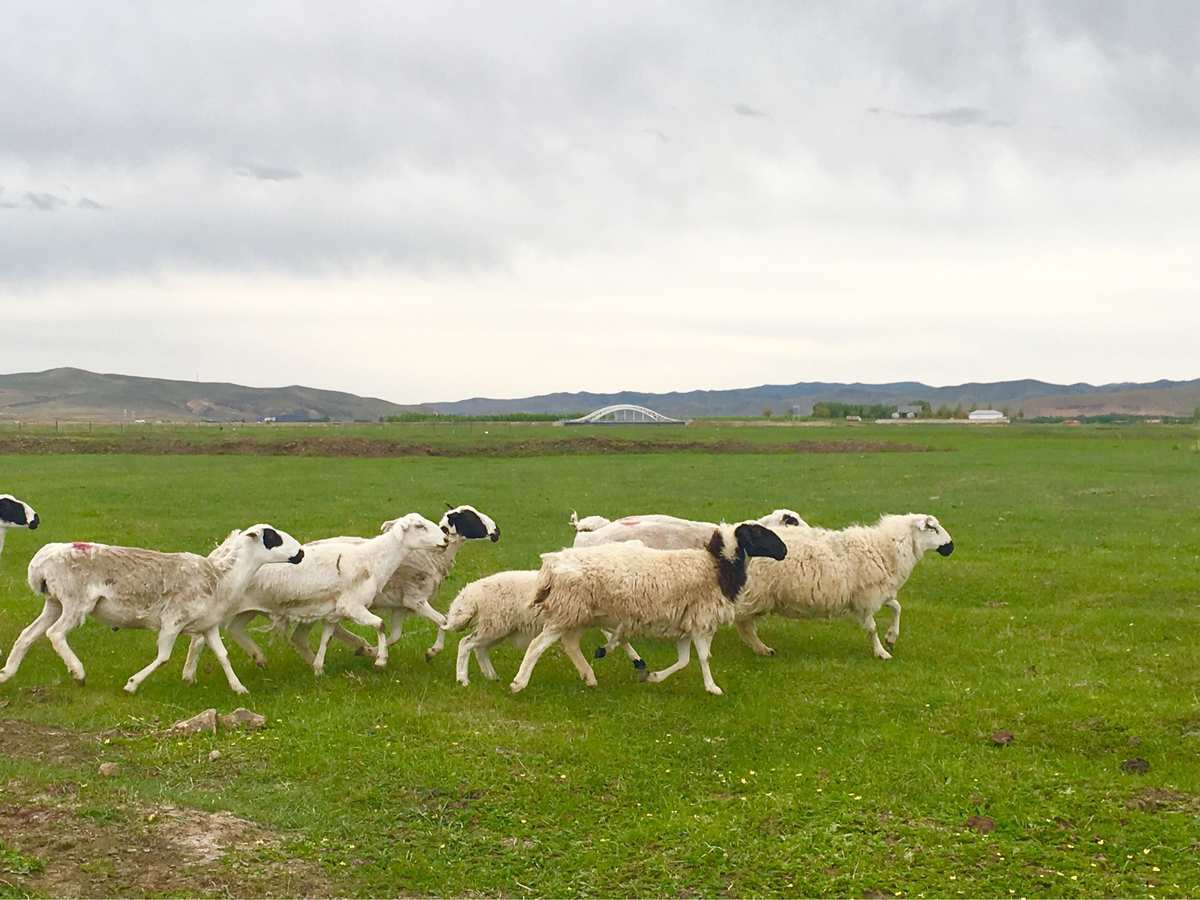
x=12, y=512
x=758, y=540
x=271, y=539
x=466, y=523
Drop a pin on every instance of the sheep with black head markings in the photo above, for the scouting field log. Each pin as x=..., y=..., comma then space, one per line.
x=15, y=513
x=663, y=532
x=631, y=590
x=128, y=587
x=854, y=572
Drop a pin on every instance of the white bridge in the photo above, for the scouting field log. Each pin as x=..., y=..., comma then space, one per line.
x=624, y=414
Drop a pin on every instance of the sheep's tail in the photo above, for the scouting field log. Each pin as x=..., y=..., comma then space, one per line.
x=462, y=611
x=35, y=577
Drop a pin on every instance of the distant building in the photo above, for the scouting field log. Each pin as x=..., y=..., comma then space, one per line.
x=993, y=416
x=907, y=411
x=853, y=418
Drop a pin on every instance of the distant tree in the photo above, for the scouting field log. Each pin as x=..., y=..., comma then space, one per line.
x=1196, y=414
x=959, y=412
x=944, y=412
x=768, y=412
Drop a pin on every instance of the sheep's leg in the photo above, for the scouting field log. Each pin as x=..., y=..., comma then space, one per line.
x=166, y=642
x=237, y=631
x=703, y=644
x=57, y=633
x=213, y=635
x=612, y=641
x=893, y=632
x=438, y=643
x=533, y=652
x=352, y=640
x=868, y=623
x=570, y=643
x=462, y=669
x=51, y=611
x=360, y=615
x=684, y=648
x=397, y=630
x=195, y=648
x=485, y=660
x=425, y=611
x=318, y=663
x=299, y=640
x=748, y=629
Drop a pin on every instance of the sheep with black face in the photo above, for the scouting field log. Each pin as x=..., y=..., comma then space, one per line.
x=853, y=572
x=15, y=513
x=663, y=532
x=632, y=590
x=128, y=587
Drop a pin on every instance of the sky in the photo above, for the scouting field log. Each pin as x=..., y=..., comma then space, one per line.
x=431, y=201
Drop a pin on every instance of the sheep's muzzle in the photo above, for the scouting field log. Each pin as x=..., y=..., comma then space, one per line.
x=299, y=556
x=946, y=549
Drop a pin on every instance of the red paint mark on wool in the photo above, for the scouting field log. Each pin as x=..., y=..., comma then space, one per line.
x=81, y=546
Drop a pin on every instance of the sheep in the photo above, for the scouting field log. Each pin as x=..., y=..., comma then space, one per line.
x=499, y=607
x=15, y=513
x=666, y=532
x=419, y=577
x=680, y=594
x=128, y=587
x=339, y=581
x=850, y=572
x=588, y=523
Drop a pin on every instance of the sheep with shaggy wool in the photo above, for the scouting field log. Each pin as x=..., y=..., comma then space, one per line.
x=682, y=595
x=497, y=608
x=664, y=532
x=853, y=572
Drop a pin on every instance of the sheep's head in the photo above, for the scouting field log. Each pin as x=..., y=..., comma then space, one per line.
x=779, y=517
x=928, y=534
x=758, y=540
x=16, y=513
x=468, y=522
x=267, y=544
x=416, y=532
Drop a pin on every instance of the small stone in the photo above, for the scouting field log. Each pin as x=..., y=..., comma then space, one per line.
x=981, y=824
x=243, y=718
x=205, y=721
x=214, y=756
x=1135, y=766
x=1002, y=738
x=108, y=770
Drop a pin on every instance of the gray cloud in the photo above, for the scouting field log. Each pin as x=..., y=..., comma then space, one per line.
x=955, y=116
x=265, y=173
x=89, y=203
x=43, y=201
x=743, y=110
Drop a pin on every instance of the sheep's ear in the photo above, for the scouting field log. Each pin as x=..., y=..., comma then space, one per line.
x=758, y=540
x=271, y=538
x=387, y=526
x=930, y=523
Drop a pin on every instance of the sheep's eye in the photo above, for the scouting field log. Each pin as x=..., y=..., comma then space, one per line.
x=445, y=530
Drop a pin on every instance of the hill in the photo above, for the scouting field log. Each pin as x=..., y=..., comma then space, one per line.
x=1035, y=397
x=77, y=395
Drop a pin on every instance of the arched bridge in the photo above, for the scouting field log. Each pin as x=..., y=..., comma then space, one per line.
x=624, y=414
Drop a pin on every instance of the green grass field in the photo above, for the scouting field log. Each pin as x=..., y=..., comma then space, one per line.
x=1067, y=616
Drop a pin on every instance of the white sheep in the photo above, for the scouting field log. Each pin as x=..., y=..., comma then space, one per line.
x=499, y=607
x=850, y=572
x=127, y=587
x=418, y=578
x=339, y=581
x=15, y=513
x=665, y=532
x=684, y=595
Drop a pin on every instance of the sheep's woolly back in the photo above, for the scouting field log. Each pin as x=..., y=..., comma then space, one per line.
x=634, y=589
x=497, y=606
x=828, y=573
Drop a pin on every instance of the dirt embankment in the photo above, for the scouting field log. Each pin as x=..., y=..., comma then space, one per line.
x=369, y=448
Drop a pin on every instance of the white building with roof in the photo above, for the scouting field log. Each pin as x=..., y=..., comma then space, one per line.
x=988, y=416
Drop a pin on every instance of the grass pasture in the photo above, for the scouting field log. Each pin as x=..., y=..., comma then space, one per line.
x=1067, y=616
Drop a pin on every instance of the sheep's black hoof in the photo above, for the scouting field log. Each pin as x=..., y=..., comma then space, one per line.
x=601, y=652
x=639, y=664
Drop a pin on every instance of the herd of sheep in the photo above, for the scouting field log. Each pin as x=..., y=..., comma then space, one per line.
x=653, y=576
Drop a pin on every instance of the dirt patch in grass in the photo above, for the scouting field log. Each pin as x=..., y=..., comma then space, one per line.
x=1164, y=800
x=374, y=449
x=47, y=743
x=149, y=852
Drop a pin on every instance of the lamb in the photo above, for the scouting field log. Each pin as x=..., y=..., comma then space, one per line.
x=419, y=577
x=663, y=532
x=499, y=607
x=340, y=581
x=684, y=595
x=128, y=587
x=15, y=513
x=850, y=572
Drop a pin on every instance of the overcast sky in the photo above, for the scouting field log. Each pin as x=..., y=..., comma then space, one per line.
x=434, y=201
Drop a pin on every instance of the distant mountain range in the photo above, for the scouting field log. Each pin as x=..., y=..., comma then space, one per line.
x=78, y=395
